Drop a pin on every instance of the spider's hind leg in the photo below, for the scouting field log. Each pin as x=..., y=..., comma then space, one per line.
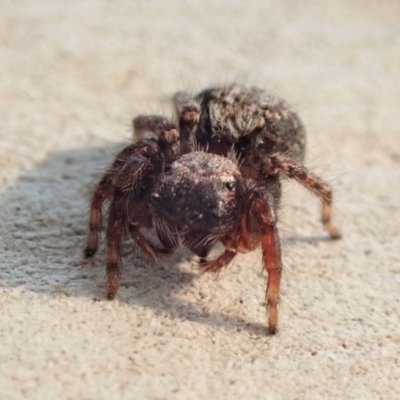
x=279, y=164
x=188, y=112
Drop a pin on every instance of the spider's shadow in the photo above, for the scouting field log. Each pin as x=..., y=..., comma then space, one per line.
x=46, y=216
x=290, y=240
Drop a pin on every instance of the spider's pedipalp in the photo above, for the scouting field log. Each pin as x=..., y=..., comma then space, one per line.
x=221, y=261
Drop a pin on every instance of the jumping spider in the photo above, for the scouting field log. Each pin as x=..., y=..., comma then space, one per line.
x=229, y=192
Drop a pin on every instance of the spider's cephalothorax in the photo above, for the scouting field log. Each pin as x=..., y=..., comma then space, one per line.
x=194, y=198
x=199, y=196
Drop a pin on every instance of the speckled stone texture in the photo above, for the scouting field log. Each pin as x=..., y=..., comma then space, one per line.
x=72, y=76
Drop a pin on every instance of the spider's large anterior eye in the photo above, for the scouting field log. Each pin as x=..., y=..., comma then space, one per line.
x=167, y=168
x=155, y=197
x=230, y=185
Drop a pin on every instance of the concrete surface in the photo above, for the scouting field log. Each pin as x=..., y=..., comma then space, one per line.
x=72, y=75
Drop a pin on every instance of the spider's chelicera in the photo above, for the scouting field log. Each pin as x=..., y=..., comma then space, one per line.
x=229, y=192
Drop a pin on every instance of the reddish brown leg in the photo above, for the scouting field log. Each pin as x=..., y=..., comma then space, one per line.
x=262, y=203
x=293, y=169
x=126, y=181
x=103, y=191
x=127, y=177
x=147, y=247
x=224, y=259
x=115, y=233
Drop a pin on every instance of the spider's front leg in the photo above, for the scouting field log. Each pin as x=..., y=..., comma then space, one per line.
x=128, y=189
x=261, y=206
x=103, y=191
x=260, y=214
x=279, y=164
x=115, y=232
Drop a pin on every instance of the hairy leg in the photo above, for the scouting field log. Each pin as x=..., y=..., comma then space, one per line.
x=224, y=259
x=103, y=191
x=279, y=164
x=261, y=201
x=146, y=246
x=188, y=112
x=128, y=176
x=115, y=233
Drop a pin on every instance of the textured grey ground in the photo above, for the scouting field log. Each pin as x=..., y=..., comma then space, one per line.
x=72, y=75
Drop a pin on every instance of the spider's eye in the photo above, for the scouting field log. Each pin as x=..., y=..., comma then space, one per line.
x=216, y=139
x=230, y=185
x=167, y=168
x=155, y=197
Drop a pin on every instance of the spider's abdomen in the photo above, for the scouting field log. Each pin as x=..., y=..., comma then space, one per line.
x=252, y=120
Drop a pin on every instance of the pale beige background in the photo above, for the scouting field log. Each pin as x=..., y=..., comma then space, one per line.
x=72, y=76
